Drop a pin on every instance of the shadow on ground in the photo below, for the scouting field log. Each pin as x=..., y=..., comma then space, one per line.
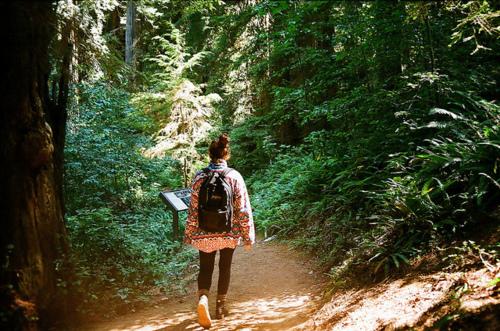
x=272, y=288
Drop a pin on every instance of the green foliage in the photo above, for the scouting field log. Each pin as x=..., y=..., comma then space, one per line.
x=368, y=131
x=119, y=230
x=83, y=25
x=190, y=110
x=370, y=138
x=480, y=21
x=103, y=153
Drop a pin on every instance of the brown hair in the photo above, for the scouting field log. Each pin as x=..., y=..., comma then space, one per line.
x=219, y=149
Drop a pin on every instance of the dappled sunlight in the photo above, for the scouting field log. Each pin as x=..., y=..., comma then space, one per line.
x=272, y=289
x=155, y=321
x=159, y=322
x=267, y=311
x=278, y=312
x=398, y=304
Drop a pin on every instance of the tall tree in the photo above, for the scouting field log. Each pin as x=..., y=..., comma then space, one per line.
x=33, y=238
x=130, y=33
x=388, y=22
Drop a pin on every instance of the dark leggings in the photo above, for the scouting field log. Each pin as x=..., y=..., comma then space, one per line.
x=207, y=261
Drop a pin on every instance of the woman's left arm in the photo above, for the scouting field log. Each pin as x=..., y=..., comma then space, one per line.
x=243, y=211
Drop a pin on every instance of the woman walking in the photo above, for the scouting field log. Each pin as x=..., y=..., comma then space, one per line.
x=219, y=219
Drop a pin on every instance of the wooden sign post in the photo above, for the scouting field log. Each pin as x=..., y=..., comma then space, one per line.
x=176, y=201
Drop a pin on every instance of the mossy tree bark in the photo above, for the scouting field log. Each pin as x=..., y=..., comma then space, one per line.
x=33, y=239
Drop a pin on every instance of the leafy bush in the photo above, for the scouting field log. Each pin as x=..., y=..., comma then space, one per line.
x=367, y=134
x=119, y=229
x=385, y=204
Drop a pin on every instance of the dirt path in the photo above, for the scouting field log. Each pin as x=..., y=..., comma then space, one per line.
x=457, y=300
x=272, y=288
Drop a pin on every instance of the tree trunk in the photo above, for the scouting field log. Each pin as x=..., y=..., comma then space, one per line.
x=57, y=112
x=389, y=21
x=33, y=238
x=429, y=42
x=130, y=33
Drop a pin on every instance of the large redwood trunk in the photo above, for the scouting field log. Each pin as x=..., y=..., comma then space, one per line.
x=33, y=236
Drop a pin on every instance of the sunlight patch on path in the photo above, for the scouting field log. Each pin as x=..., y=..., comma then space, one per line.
x=267, y=313
x=397, y=304
x=272, y=288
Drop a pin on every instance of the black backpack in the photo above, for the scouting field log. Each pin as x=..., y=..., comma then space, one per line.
x=215, y=202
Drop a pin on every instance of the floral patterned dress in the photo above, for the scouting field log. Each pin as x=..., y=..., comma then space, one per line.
x=242, y=231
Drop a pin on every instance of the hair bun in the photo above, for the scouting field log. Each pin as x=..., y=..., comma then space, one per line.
x=223, y=139
x=219, y=149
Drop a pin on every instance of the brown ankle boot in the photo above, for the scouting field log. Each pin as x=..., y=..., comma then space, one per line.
x=202, y=292
x=220, y=307
x=202, y=309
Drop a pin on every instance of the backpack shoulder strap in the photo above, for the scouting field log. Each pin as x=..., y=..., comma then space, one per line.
x=226, y=171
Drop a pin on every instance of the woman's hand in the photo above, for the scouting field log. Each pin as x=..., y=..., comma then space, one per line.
x=248, y=247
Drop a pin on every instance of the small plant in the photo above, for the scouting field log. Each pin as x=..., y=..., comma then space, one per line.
x=389, y=262
x=470, y=253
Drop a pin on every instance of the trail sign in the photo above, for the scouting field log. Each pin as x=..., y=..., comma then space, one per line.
x=176, y=200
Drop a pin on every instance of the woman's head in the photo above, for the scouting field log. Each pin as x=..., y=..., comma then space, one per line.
x=219, y=149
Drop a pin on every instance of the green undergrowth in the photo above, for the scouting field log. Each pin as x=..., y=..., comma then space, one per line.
x=120, y=231
x=383, y=199
x=367, y=132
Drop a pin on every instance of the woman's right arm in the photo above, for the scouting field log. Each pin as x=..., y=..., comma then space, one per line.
x=192, y=218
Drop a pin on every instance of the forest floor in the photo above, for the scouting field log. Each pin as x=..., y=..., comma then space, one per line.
x=437, y=301
x=275, y=288
x=272, y=288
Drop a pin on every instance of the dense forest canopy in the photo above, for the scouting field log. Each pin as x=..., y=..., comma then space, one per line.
x=368, y=131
